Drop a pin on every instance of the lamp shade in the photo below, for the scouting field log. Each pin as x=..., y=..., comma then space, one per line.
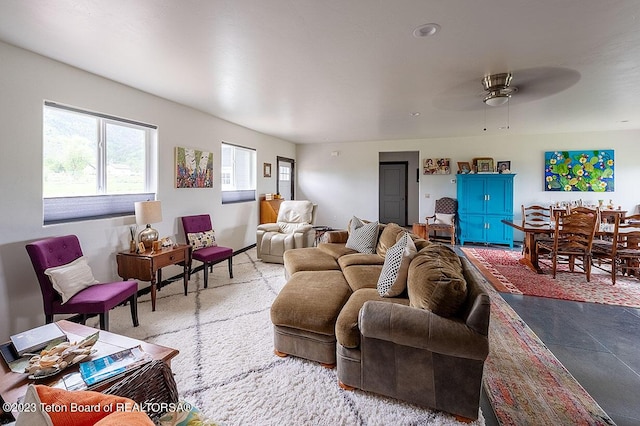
x=148, y=212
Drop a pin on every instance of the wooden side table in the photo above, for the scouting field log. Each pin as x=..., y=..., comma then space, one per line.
x=145, y=266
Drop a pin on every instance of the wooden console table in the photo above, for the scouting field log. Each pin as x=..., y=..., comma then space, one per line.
x=14, y=385
x=145, y=266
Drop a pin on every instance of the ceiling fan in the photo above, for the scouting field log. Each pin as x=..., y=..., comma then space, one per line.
x=498, y=88
x=530, y=84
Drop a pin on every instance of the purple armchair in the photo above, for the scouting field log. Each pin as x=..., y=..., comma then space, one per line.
x=96, y=299
x=207, y=255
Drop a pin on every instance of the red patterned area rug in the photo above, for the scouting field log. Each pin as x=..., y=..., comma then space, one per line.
x=506, y=274
x=525, y=382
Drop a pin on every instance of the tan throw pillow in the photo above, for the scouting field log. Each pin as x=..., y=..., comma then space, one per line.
x=200, y=240
x=71, y=278
x=436, y=281
x=388, y=238
x=393, y=278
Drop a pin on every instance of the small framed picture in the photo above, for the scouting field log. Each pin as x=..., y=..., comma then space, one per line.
x=141, y=247
x=504, y=166
x=464, y=167
x=266, y=169
x=484, y=165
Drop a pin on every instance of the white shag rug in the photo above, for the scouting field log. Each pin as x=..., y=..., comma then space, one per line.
x=226, y=365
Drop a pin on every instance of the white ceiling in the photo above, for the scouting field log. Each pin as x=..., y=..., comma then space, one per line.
x=313, y=71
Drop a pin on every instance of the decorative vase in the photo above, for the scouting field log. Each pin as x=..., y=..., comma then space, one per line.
x=132, y=246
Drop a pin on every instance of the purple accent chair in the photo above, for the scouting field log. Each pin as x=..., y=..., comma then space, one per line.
x=207, y=255
x=97, y=299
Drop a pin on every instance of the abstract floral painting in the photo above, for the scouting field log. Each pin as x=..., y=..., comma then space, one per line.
x=586, y=171
x=194, y=168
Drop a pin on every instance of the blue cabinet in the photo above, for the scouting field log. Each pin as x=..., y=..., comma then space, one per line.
x=484, y=200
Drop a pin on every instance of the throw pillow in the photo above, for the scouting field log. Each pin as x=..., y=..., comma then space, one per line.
x=200, y=240
x=388, y=238
x=393, y=278
x=445, y=219
x=69, y=279
x=436, y=281
x=362, y=237
x=54, y=406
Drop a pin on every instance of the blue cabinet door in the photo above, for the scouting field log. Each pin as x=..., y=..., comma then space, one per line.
x=474, y=199
x=472, y=228
x=499, y=193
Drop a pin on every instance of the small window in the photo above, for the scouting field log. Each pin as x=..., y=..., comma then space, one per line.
x=238, y=174
x=94, y=165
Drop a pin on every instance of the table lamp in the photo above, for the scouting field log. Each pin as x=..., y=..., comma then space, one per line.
x=148, y=212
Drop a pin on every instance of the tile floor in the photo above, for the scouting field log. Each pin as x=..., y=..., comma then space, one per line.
x=598, y=344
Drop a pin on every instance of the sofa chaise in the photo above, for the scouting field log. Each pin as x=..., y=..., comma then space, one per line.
x=426, y=345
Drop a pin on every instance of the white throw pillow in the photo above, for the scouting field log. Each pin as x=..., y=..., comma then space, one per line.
x=71, y=278
x=445, y=219
x=363, y=237
x=393, y=278
x=37, y=415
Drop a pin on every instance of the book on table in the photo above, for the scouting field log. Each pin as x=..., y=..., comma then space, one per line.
x=111, y=366
x=34, y=340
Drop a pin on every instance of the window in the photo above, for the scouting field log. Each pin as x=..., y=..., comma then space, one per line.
x=94, y=165
x=238, y=174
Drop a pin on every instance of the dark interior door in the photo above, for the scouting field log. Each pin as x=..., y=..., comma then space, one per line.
x=393, y=193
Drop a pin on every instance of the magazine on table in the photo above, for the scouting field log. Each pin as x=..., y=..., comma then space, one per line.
x=110, y=366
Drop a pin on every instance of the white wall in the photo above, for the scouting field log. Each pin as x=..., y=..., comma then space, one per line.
x=26, y=80
x=347, y=184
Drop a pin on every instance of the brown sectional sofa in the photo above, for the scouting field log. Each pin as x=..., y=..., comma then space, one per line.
x=427, y=346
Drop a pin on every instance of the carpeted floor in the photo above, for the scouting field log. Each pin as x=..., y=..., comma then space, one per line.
x=506, y=274
x=226, y=364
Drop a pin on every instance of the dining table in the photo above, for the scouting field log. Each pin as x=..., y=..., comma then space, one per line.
x=533, y=233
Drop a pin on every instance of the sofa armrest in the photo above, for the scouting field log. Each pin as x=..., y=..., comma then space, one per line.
x=269, y=227
x=422, y=329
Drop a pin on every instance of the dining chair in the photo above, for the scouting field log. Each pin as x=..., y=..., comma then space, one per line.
x=622, y=251
x=204, y=248
x=628, y=251
x=61, y=259
x=572, y=238
x=536, y=216
x=443, y=218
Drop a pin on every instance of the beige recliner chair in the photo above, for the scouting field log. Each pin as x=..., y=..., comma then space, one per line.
x=293, y=229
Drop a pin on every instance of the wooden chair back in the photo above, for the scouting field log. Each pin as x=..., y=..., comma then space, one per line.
x=535, y=216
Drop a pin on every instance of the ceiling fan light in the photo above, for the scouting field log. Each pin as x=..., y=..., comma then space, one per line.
x=496, y=98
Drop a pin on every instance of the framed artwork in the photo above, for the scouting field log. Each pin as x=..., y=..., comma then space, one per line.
x=436, y=166
x=464, y=167
x=266, y=169
x=586, y=171
x=484, y=165
x=194, y=168
x=504, y=166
